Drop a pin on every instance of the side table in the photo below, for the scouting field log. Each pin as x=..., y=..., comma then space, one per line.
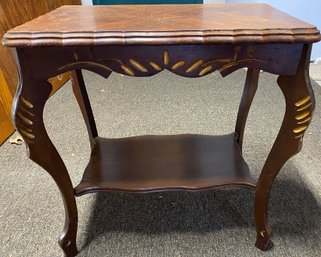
x=190, y=41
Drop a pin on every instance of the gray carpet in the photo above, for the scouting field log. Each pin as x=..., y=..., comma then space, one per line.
x=214, y=223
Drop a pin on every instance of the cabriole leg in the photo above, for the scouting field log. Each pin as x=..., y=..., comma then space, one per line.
x=28, y=118
x=81, y=95
x=299, y=109
x=250, y=87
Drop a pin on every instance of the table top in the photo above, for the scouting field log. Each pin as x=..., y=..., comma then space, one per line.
x=162, y=24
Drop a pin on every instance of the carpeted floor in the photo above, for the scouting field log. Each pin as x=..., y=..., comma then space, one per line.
x=175, y=224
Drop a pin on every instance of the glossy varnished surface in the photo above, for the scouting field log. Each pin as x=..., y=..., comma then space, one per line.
x=165, y=24
x=153, y=163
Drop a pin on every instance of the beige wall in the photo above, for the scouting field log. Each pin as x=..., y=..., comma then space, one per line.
x=214, y=1
x=87, y=2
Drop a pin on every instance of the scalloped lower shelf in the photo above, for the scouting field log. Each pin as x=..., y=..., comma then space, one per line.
x=158, y=163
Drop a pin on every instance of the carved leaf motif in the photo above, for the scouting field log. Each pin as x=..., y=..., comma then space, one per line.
x=304, y=117
x=155, y=66
x=22, y=109
x=304, y=121
x=178, y=65
x=23, y=123
x=26, y=102
x=202, y=67
x=26, y=133
x=137, y=65
x=19, y=125
x=166, y=57
x=300, y=129
x=205, y=70
x=25, y=119
x=302, y=101
x=304, y=107
x=127, y=70
x=194, y=66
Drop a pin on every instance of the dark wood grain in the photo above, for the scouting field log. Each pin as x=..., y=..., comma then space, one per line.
x=184, y=60
x=158, y=163
x=162, y=24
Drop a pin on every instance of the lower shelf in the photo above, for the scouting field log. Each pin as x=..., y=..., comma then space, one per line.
x=158, y=163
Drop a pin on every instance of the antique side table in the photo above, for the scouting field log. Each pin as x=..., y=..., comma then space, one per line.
x=190, y=41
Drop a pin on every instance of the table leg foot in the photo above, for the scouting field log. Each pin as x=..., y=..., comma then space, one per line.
x=263, y=241
x=69, y=247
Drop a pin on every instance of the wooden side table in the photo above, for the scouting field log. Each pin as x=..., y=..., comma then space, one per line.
x=190, y=41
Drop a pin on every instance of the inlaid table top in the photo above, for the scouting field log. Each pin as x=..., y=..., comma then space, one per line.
x=162, y=24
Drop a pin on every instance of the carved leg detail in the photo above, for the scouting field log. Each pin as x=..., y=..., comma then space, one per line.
x=250, y=87
x=81, y=95
x=299, y=109
x=28, y=118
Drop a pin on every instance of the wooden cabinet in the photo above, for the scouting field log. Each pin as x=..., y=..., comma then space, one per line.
x=6, y=127
x=12, y=14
